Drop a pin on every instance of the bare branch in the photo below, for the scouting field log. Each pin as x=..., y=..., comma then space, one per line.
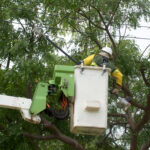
x=122, y=37
x=104, y=139
x=146, y=116
x=116, y=115
x=22, y=26
x=144, y=52
x=118, y=123
x=143, y=75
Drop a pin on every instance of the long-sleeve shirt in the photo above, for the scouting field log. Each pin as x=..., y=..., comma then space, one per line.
x=97, y=60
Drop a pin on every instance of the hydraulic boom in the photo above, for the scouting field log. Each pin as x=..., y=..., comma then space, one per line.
x=21, y=104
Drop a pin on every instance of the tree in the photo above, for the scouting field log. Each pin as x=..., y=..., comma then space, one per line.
x=92, y=25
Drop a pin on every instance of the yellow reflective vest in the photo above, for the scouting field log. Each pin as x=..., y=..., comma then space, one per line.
x=96, y=60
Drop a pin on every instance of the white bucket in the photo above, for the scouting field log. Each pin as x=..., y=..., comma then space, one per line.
x=89, y=113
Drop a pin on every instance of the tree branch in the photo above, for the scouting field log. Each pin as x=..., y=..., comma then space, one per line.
x=133, y=145
x=87, y=35
x=146, y=145
x=56, y=135
x=144, y=51
x=146, y=116
x=107, y=31
x=116, y=115
x=130, y=120
x=88, y=18
x=128, y=93
x=22, y=26
x=113, y=13
x=8, y=61
x=143, y=75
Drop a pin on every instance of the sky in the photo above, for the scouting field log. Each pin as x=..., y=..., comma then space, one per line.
x=142, y=35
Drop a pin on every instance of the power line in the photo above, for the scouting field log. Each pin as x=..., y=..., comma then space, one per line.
x=134, y=37
x=54, y=28
x=141, y=26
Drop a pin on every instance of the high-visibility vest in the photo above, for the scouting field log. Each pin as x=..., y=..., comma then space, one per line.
x=97, y=60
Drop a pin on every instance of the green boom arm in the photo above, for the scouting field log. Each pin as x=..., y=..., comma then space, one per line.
x=63, y=79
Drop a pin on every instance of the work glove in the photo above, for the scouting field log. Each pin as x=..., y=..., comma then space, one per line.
x=116, y=90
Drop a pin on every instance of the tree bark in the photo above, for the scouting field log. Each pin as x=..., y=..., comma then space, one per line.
x=134, y=141
x=8, y=61
x=56, y=134
x=29, y=90
x=146, y=145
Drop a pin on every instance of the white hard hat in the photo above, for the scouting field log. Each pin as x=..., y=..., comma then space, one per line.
x=107, y=50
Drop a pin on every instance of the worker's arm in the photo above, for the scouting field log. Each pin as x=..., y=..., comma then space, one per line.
x=118, y=76
x=87, y=61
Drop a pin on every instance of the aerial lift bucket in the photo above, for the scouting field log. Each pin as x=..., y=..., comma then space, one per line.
x=89, y=113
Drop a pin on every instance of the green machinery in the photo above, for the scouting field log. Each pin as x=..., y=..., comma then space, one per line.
x=61, y=85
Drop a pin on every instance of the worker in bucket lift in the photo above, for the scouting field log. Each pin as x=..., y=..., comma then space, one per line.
x=103, y=59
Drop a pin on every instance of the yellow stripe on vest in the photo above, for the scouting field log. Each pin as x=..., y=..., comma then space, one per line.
x=87, y=61
x=93, y=64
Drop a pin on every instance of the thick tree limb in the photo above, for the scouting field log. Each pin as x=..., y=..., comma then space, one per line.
x=146, y=145
x=126, y=90
x=128, y=93
x=130, y=120
x=118, y=123
x=146, y=116
x=133, y=103
x=61, y=136
x=133, y=145
x=56, y=135
x=116, y=115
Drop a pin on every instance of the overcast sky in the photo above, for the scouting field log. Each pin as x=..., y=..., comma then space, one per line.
x=141, y=32
x=141, y=36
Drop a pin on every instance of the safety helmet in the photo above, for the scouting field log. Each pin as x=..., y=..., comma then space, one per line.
x=107, y=50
